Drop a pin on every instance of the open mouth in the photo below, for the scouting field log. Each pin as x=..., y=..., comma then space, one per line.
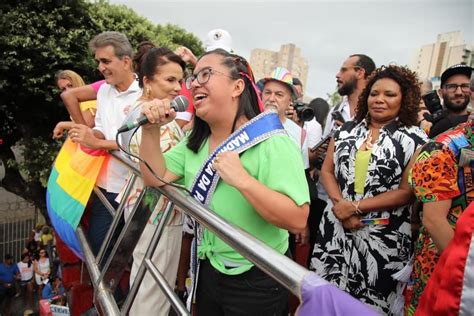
x=200, y=97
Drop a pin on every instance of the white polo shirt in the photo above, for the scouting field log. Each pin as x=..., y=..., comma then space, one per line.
x=112, y=108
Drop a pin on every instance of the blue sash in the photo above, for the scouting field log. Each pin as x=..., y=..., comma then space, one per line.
x=250, y=134
x=255, y=131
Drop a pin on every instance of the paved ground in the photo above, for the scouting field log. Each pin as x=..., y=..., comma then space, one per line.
x=19, y=306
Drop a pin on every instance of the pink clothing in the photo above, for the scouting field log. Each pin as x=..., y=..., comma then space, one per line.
x=96, y=85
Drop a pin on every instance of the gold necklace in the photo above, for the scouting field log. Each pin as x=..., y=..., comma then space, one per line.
x=368, y=141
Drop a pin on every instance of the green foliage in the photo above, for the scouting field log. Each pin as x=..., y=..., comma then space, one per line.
x=107, y=17
x=123, y=19
x=180, y=37
x=334, y=98
x=36, y=153
x=37, y=39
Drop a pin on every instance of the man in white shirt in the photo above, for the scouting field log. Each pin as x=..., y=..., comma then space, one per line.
x=115, y=98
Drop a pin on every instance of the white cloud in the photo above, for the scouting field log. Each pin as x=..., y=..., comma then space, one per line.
x=326, y=31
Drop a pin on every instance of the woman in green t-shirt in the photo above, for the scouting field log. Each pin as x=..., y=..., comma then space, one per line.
x=263, y=191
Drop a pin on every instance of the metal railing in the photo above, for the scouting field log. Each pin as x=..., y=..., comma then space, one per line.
x=17, y=219
x=105, y=275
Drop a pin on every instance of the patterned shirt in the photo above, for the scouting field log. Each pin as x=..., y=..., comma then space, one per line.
x=443, y=171
x=362, y=262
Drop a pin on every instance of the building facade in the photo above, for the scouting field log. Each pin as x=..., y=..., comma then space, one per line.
x=431, y=60
x=263, y=62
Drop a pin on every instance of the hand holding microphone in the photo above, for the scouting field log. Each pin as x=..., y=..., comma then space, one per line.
x=156, y=111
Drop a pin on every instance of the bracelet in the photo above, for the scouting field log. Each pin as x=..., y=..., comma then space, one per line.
x=357, y=209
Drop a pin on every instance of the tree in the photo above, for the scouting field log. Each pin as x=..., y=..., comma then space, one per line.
x=37, y=39
x=334, y=98
x=123, y=19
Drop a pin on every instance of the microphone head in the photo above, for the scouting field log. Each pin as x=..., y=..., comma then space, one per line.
x=180, y=103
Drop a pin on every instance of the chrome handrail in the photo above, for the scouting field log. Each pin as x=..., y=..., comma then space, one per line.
x=279, y=267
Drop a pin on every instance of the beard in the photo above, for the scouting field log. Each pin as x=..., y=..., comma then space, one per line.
x=454, y=107
x=348, y=88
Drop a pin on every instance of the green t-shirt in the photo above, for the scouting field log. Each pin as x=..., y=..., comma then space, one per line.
x=276, y=163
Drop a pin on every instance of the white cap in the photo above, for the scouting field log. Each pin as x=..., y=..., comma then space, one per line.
x=218, y=39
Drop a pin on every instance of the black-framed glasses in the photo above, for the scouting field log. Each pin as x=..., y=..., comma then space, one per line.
x=452, y=87
x=202, y=76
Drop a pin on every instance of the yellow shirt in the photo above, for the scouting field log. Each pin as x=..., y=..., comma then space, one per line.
x=361, y=166
x=89, y=105
x=45, y=238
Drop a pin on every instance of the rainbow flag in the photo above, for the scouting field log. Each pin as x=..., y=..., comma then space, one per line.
x=70, y=185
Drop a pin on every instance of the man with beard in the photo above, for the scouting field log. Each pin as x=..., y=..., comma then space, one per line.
x=351, y=80
x=456, y=96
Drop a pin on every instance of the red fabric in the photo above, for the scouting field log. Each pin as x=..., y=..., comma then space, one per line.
x=301, y=257
x=44, y=308
x=65, y=254
x=71, y=275
x=187, y=93
x=442, y=294
x=302, y=254
x=81, y=299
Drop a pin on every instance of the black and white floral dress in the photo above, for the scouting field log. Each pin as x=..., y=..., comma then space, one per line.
x=361, y=262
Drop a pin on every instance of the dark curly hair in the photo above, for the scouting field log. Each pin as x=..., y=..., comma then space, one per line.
x=409, y=87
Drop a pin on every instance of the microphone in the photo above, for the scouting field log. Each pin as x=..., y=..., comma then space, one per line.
x=179, y=104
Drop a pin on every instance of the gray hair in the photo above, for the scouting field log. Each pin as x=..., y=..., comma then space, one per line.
x=428, y=83
x=426, y=86
x=117, y=40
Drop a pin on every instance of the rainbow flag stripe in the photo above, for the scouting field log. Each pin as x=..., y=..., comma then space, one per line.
x=374, y=221
x=70, y=185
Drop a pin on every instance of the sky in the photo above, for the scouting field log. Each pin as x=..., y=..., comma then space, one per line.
x=327, y=32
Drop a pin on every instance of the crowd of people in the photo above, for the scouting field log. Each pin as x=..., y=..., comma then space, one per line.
x=36, y=276
x=343, y=180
